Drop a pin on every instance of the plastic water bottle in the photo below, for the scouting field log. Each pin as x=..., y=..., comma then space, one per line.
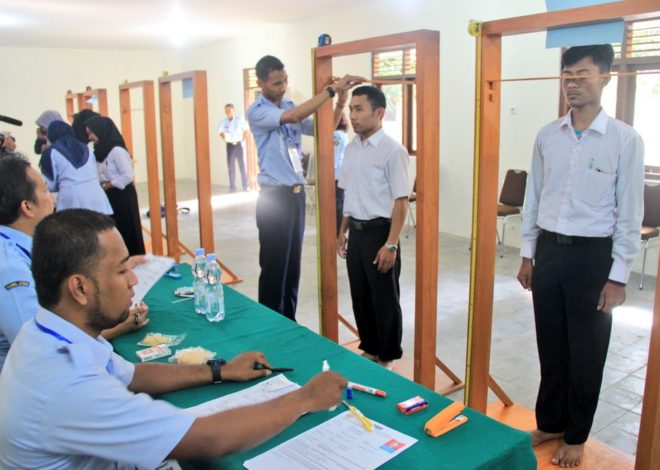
x=215, y=297
x=199, y=281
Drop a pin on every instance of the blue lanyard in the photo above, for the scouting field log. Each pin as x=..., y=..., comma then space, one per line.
x=27, y=253
x=51, y=332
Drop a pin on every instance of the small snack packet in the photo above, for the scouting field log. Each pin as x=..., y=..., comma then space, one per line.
x=194, y=355
x=152, y=353
x=155, y=339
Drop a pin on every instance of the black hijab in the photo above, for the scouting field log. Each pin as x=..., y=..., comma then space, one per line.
x=61, y=138
x=78, y=124
x=108, y=135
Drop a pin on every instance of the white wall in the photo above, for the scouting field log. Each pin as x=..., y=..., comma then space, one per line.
x=36, y=79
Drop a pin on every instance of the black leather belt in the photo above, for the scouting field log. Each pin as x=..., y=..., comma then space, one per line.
x=296, y=188
x=357, y=224
x=561, y=239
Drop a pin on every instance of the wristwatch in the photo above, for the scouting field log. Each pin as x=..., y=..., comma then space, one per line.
x=391, y=247
x=331, y=91
x=215, y=365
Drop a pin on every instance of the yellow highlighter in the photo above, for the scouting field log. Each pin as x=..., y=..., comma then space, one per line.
x=366, y=422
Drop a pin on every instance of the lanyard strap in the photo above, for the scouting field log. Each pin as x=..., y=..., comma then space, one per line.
x=51, y=332
x=27, y=253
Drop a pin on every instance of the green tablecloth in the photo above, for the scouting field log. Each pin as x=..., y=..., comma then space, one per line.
x=480, y=443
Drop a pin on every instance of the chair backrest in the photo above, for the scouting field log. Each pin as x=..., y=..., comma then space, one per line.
x=513, y=189
x=651, y=205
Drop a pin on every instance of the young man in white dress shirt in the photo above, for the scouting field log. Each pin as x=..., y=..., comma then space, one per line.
x=233, y=132
x=580, y=234
x=374, y=176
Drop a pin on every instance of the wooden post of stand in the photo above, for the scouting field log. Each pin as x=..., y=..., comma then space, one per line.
x=427, y=44
x=149, y=107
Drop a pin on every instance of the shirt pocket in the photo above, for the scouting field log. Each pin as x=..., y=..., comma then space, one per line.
x=596, y=187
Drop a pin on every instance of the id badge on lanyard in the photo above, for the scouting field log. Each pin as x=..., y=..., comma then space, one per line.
x=294, y=153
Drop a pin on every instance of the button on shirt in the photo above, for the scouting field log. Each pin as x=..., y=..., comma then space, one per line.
x=117, y=168
x=590, y=187
x=233, y=129
x=274, y=139
x=373, y=175
x=18, y=298
x=67, y=406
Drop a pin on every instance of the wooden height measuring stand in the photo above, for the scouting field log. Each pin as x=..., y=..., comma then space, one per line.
x=203, y=166
x=76, y=102
x=149, y=107
x=487, y=134
x=427, y=44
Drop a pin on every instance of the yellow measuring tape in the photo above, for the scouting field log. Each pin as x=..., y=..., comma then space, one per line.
x=474, y=28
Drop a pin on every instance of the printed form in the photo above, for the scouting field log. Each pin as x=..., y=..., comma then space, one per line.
x=337, y=444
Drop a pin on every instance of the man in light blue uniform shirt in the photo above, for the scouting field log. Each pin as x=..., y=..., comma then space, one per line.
x=68, y=401
x=233, y=131
x=277, y=125
x=24, y=201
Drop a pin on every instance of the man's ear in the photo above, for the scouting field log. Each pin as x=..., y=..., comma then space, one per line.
x=79, y=288
x=380, y=112
x=26, y=208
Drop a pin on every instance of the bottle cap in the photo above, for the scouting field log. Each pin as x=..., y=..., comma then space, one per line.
x=211, y=256
x=199, y=252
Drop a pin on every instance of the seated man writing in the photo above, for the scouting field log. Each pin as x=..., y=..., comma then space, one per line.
x=68, y=401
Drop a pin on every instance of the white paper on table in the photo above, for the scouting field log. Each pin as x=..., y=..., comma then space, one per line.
x=267, y=390
x=338, y=443
x=149, y=273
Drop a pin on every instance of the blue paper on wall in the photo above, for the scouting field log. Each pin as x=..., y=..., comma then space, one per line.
x=187, y=86
x=601, y=33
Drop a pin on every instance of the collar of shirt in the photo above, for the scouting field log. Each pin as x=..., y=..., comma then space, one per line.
x=84, y=350
x=599, y=124
x=373, y=140
x=19, y=238
x=285, y=102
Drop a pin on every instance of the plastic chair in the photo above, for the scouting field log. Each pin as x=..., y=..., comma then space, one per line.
x=512, y=197
x=651, y=221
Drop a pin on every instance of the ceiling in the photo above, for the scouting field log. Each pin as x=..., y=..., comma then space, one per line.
x=146, y=24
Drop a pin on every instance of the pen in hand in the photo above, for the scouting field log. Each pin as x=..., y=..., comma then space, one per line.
x=260, y=366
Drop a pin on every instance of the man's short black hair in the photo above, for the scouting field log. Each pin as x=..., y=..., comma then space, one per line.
x=266, y=65
x=601, y=55
x=15, y=187
x=375, y=96
x=66, y=243
x=229, y=105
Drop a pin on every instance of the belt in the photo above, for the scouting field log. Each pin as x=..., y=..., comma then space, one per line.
x=296, y=188
x=561, y=239
x=357, y=224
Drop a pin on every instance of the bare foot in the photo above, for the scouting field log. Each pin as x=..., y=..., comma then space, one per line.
x=568, y=456
x=539, y=437
x=371, y=357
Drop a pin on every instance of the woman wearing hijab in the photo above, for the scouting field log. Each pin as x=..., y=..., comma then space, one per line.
x=69, y=170
x=78, y=124
x=43, y=121
x=115, y=167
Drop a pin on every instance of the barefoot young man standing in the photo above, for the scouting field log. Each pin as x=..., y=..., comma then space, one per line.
x=581, y=231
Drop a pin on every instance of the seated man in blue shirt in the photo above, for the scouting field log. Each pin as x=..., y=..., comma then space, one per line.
x=68, y=401
x=24, y=202
x=277, y=126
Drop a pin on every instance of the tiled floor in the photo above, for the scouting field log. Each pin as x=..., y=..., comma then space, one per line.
x=514, y=362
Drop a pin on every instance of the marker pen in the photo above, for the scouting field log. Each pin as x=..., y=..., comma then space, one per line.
x=365, y=389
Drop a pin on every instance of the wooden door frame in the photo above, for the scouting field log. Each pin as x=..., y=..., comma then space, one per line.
x=487, y=133
x=427, y=44
x=151, y=148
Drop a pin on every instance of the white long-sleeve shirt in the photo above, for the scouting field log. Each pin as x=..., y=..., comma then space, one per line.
x=117, y=168
x=589, y=187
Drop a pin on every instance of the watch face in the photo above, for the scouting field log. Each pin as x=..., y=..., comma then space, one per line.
x=391, y=248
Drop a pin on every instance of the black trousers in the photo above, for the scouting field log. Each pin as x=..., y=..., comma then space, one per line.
x=235, y=154
x=126, y=213
x=572, y=335
x=375, y=295
x=281, y=224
